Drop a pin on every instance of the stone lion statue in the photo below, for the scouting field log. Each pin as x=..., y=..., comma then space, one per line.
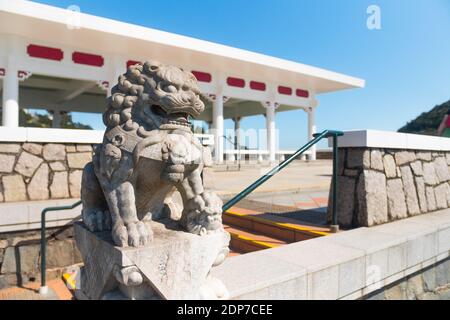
x=149, y=156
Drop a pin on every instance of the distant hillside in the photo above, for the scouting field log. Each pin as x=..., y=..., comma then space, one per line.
x=428, y=122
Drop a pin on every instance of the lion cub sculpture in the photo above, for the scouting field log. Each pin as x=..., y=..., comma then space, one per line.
x=148, y=154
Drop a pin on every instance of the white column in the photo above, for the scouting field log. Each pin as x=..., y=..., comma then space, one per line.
x=117, y=68
x=237, y=132
x=270, y=127
x=218, y=128
x=209, y=126
x=312, y=130
x=260, y=158
x=56, y=121
x=237, y=136
x=10, y=112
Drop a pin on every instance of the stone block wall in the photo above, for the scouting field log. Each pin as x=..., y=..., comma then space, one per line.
x=41, y=171
x=20, y=255
x=432, y=283
x=382, y=185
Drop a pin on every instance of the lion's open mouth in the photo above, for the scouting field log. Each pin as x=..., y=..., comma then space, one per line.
x=177, y=118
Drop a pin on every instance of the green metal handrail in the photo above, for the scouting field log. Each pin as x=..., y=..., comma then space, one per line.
x=43, y=288
x=317, y=137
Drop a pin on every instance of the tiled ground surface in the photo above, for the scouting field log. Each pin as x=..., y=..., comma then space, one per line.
x=308, y=207
x=57, y=290
x=298, y=176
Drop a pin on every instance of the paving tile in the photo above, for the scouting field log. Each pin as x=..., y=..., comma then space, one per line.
x=57, y=290
x=306, y=205
x=321, y=201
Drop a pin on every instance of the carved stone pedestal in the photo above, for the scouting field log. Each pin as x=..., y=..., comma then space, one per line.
x=175, y=265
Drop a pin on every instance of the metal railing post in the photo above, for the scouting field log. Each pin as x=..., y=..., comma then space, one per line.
x=335, y=186
x=239, y=155
x=43, y=289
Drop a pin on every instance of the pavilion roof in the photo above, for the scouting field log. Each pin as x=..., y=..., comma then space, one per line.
x=48, y=23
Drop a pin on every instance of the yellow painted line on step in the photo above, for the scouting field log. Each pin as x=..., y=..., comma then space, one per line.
x=293, y=226
x=70, y=280
x=237, y=212
x=257, y=242
x=242, y=211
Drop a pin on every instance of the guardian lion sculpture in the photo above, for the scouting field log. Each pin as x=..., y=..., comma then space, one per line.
x=148, y=154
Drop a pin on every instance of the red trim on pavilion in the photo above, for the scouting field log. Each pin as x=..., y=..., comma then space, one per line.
x=236, y=82
x=87, y=59
x=202, y=76
x=302, y=93
x=284, y=90
x=255, y=85
x=43, y=52
x=132, y=63
x=22, y=74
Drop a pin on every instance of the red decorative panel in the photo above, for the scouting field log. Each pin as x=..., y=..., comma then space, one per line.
x=255, y=85
x=132, y=63
x=202, y=76
x=88, y=59
x=236, y=82
x=284, y=90
x=42, y=52
x=302, y=93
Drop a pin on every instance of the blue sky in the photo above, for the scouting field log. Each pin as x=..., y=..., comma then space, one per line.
x=406, y=64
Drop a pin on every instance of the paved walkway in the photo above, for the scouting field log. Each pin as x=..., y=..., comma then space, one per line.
x=298, y=176
x=309, y=207
x=57, y=290
x=299, y=191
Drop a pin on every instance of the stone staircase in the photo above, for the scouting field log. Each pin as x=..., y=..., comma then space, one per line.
x=252, y=230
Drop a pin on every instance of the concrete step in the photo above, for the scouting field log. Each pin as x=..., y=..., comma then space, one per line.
x=234, y=253
x=243, y=241
x=282, y=228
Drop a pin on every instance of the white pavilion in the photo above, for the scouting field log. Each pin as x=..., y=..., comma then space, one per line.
x=60, y=60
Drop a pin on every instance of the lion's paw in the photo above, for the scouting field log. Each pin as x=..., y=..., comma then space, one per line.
x=138, y=234
x=212, y=202
x=119, y=234
x=205, y=214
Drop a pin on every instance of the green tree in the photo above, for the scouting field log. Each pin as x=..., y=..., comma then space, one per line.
x=428, y=122
x=38, y=120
